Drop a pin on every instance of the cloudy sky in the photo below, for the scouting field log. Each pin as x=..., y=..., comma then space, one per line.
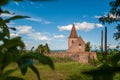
x=51, y=22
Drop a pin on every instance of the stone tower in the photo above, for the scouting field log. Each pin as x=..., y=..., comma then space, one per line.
x=75, y=43
x=73, y=36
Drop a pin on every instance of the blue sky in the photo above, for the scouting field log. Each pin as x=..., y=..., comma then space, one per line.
x=51, y=22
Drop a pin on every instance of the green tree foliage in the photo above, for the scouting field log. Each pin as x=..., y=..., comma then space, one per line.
x=106, y=70
x=47, y=49
x=40, y=49
x=110, y=67
x=113, y=17
x=12, y=50
x=87, y=47
x=43, y=49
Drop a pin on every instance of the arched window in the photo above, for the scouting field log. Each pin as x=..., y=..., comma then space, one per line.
x=79, y=46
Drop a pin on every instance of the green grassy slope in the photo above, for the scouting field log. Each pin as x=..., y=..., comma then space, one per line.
x=62, y=71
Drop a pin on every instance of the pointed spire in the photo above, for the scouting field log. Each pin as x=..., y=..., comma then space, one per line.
x=73, y=33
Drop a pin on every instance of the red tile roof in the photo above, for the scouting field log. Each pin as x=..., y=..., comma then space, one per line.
x=73, y=33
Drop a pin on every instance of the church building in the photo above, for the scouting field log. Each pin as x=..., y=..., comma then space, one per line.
x=76, y=49
x=75, y=43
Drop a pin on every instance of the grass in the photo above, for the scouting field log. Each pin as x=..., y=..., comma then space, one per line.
x=63, y=71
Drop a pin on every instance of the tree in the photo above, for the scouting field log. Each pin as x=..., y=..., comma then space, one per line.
x=108, y=69
x=113, y=17
x=40, y=49
x=87, y=47
x=11, y=50
x=47, y=49
x=43, y=49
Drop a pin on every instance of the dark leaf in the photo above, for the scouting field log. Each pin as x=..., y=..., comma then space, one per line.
x=12, y=28
x=14, y=42
x=35, y=71
x=2, y=23
x=23, y=67
x=41, y=58
x=6, y=12
x=2, y=35
x=6, y=31
x=15, y=17
x=1, y=11
x=115, y=59
x=4, y=2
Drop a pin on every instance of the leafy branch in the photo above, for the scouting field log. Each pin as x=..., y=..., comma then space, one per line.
x=12, y=49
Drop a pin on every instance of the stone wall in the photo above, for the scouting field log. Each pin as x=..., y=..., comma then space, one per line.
x=82, y=57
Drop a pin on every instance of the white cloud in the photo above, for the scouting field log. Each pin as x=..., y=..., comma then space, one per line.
x=24, y=29
x=30, y=19
x=14, y=35
x=106, y=15
x=59, y=36
x=113, y=16
x=30, y=33
x=38, y=36
x=98, y=25
x=39, y=20
x=97, y=16
x=112, y=46
x=62, y=28
x=47, y=22
x=35, y=19
x=29, y=44
x=7, y=15
x=17, y=3
x=84, y=26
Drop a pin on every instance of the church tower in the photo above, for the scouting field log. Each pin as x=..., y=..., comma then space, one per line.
x=75, y=43
x=73, y=36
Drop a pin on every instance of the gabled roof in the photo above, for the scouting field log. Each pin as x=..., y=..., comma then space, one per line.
x=73, y=33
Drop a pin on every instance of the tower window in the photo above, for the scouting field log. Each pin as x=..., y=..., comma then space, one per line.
x=79, y=46
x=72, y=41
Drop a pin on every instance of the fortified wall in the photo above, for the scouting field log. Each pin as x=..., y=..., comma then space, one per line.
x=82, y=57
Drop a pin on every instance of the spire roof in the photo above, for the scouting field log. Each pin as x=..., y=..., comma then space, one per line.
x=73, y=33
